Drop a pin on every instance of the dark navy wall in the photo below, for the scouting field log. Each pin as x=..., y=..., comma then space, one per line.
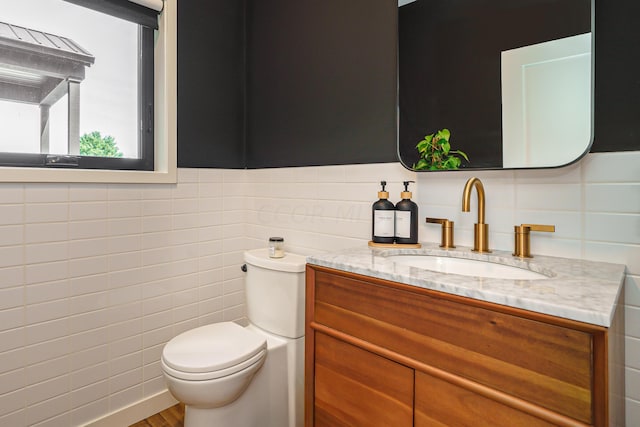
x=617, y=76
x=321, y=82
x=211, y=83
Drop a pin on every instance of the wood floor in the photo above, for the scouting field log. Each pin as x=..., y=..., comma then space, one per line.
x=170, y=417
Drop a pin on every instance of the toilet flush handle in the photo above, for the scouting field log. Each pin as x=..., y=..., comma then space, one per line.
x=244, y=268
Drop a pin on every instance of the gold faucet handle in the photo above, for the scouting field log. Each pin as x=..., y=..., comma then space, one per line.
x=442, y=221
x=523, y=239
x=538, y=227
x=446, y=240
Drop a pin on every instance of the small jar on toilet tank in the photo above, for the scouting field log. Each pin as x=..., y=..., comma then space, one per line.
x=276, y=247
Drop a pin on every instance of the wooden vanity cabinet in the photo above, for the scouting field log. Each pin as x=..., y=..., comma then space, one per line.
x=385, y=353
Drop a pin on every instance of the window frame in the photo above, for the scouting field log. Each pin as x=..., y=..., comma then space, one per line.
x=159, y=131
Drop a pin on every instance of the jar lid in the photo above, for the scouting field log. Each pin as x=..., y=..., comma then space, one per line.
x=276, y=239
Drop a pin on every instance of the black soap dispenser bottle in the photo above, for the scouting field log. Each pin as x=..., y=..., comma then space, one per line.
x=383, y=221
x=406, y=218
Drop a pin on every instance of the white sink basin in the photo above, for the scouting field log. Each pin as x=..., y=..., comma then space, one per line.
x=466, y=267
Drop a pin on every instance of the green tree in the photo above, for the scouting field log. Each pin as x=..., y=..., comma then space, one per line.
x=94, y=144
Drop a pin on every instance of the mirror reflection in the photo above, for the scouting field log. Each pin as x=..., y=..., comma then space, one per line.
x=510, y=80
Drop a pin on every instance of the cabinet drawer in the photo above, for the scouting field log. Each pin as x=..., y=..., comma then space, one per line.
x=543, y=363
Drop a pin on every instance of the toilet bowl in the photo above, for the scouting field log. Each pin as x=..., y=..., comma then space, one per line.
x=229, y=375
x=208, y=373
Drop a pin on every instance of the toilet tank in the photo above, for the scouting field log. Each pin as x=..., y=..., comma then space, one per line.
x=274, y=290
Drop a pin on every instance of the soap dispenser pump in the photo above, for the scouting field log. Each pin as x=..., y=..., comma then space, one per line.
x=406, y=218
x=383, y=223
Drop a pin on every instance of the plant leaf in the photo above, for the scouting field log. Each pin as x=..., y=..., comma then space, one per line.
x=445, y=146
x=462, y=154
x=444, y=134
x=422, y=164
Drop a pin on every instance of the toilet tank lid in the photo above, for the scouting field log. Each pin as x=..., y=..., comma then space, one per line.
x=292, y=263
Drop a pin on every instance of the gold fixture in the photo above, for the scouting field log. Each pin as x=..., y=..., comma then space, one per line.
x=447, y=232
x=480, y=229
x=522, y=238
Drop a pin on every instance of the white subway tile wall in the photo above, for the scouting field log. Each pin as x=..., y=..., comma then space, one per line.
x=95, y=279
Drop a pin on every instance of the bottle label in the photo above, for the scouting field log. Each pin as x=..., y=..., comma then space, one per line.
x=383, y=223
x=403, y=224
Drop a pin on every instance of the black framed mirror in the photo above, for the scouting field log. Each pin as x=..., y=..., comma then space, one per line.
x=512, y=80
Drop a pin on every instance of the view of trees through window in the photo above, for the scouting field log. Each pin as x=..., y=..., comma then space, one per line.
x=94, y=144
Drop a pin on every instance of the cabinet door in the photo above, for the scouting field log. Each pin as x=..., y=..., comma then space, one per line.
x=354, y=387
x=441, y=403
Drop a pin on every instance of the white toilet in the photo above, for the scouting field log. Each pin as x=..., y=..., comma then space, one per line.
x=229, y=375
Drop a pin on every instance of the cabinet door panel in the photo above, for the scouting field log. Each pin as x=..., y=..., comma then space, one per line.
x=440, y=403
x=546, y=364
x=354, y=387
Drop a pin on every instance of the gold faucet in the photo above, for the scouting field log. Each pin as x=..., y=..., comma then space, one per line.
x=522, y=239
x=480, y=230
x=446, y=240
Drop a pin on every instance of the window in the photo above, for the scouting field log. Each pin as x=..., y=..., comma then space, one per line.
x=82, y=84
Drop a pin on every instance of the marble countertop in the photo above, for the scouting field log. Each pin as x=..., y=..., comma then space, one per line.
x=586, y=291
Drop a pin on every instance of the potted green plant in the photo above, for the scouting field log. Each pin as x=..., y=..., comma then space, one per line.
x=436, y=153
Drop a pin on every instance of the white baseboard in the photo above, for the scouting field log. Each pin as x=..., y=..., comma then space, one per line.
x=136, y=412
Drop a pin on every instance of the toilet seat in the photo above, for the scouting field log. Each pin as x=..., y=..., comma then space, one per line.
x=212, y=351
